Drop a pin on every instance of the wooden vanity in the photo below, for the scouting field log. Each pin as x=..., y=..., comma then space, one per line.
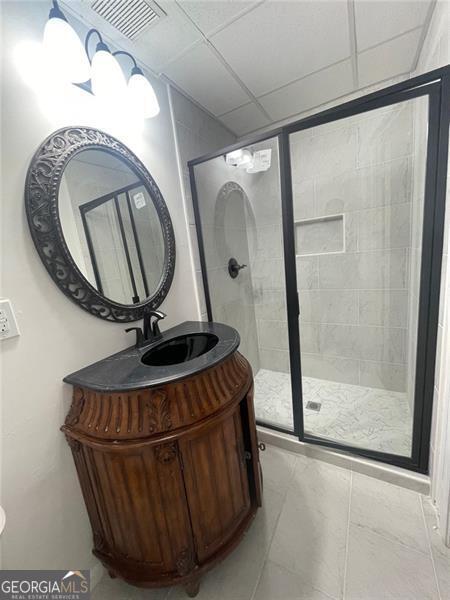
x=169, y=472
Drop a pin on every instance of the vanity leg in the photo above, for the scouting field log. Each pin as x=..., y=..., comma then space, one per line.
x=192, y=588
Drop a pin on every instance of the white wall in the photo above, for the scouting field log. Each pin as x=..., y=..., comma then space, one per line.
x=47, y=525
x=436, y=53
x=196, y=134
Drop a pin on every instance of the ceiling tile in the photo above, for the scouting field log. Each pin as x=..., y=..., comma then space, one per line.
x=310, y=91
x=210, y=16
x=201, y=74
x=378, y=22
x=389, y=59
x=156, y=46
x=278, y=42
x=244, y=119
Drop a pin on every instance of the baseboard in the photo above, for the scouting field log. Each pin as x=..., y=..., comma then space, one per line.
x=402, y=477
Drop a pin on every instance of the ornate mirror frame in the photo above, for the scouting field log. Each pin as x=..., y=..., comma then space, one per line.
x=41, y=202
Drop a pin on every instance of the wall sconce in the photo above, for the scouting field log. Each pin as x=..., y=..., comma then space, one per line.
x=102, y=75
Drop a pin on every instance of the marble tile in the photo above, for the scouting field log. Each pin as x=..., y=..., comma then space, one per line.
x=273, y=334
x=320, y=236
x=361, y=342
x=386, y=227
x=303, y=199
x=395, y=513
x=331, y=368
x=364, y=270
x=330, y=150
x=274, y=360
x=277, y=583
x=383, y=375
x=271, y=304
x=356, y=415
x=315, y=512
x=383, y=307
x=116, y=589
x=309, y=338
x=327, y=306
x=237, y=576
x=368, y=187
x=378, y=568
x=273, y=398
x=385, y=135
x=269, y=241
x=307, y=272
x=351, y=232
x=440, y=552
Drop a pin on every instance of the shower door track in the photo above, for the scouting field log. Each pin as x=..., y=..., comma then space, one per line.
x=435, y=85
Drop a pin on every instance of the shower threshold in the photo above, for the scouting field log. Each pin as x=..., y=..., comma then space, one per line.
x=369, y=418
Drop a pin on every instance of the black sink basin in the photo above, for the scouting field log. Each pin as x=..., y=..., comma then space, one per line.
x=180, y=349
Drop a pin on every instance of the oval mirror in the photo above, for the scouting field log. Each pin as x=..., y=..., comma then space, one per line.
x=100, y=224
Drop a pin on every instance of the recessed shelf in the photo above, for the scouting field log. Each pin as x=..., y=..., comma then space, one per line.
x=320, y=235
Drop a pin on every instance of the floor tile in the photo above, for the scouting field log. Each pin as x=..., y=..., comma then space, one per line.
x=277, y=583
x=380, y=569
x=310, y=538
x=388, y=510
x=115, y=589
x=357, y=415
x=441, y=554
x=277, y=466
x=236, y=577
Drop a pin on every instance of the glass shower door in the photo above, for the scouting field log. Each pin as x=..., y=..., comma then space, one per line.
x=358, y=190
x=239, y=216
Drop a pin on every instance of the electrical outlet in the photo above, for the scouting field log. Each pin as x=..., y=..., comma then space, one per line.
x=8, y=323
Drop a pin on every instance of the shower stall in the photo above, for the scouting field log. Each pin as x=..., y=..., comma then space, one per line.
x=321, y=243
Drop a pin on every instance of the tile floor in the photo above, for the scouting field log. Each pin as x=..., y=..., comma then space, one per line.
x=359, y=416
x=324, y=532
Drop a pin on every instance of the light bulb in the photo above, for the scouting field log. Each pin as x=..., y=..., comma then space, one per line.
x=64, y=49
x=241, y=158
x=107, y=78
x=142, y=95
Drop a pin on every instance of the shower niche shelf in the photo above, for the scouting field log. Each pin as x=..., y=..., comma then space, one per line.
x=320, y=235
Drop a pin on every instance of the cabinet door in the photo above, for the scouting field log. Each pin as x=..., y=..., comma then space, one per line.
x=216, y=483
x=139, y=497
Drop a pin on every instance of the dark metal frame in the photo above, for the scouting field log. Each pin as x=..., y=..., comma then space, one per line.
x=435, y=85
x=114, y=196
x=41, y=204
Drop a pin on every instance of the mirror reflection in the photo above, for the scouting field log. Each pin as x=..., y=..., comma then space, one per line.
x=111, y=226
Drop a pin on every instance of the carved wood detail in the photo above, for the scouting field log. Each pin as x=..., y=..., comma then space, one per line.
x=136, y=414
x=161, y=470
x=166, y=453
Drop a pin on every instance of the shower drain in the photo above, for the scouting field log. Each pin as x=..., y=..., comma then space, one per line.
x=314, y=405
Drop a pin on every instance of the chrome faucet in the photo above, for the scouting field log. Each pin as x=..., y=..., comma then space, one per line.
x=150, y=329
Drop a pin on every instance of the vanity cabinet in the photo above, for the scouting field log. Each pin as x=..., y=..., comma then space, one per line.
x=170, y=474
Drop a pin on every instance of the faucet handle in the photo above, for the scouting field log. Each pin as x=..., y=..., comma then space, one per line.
x=158, y=314
x=139, y=335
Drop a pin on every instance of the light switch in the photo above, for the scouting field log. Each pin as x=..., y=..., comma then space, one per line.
x=8, y=323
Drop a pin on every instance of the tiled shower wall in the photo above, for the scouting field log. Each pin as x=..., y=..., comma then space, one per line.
x=265, y=241
x=354, y=304
x=223, y=205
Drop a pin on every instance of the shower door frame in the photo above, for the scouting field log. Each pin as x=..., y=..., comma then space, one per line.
x=436, y=86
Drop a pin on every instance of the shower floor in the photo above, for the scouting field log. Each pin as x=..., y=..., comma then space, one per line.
x=370, y=418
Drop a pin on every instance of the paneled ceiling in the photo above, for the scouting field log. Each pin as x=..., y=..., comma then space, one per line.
x=254, y=63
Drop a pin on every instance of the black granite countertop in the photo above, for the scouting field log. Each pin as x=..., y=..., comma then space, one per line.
x=124, y=371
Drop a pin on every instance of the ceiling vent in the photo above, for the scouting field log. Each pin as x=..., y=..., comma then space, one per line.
x=130, y=17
